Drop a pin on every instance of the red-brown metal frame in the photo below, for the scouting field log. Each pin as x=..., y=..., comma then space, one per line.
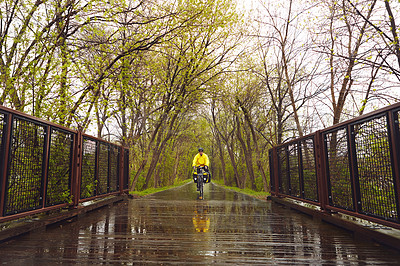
x=364, y=217
x=99, y=139
x=97, y=165
x=21, y=114
x=32, y=212
x=395, y=153
x=299, y=169
x=121, y=170
x=321, y=173
x=276, y=167
x=5, y=161
x=126, y=190
x=76, y=168
x=46, y=165
x=365, y=116
x=299, y=199
x=76, y=173
x=99, y=196
x=352, y=167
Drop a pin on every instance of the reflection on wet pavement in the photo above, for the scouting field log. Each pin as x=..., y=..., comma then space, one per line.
x=172, y=227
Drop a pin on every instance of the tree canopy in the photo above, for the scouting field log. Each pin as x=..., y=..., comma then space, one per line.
x=165, y=77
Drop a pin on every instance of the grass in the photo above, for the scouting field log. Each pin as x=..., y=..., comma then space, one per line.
x=155, y=190
x=247, y=191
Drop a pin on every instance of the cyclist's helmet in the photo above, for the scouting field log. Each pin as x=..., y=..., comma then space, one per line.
x=201, y=149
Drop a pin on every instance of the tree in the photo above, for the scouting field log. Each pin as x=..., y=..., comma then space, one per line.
x=224, y=124
x=347, y=43
x=184, y=67
x=30, y=39
x=388, y=33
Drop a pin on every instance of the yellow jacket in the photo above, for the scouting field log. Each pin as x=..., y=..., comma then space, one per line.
x=201, y=160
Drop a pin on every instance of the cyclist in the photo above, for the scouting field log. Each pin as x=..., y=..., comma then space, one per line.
x=201, y=160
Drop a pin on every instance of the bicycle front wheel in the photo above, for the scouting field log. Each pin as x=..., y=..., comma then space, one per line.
x=201, y=190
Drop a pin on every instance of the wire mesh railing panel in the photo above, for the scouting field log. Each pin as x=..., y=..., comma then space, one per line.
x=271, y=171
x=126, y=169
x=114, y=168
x=309, y=169
x=293, y=152
x=24, y=180
x=60, y=168
x=374, y=167
x=339, y=179
x=44, y=166
x=102, y=185
x=351, y=168
x=88, y=172
x=283, y=171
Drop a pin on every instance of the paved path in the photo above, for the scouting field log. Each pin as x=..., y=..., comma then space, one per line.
x=173, y=227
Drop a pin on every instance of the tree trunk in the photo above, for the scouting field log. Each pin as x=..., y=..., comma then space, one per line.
x=247, y=154
x=159, y=148
x=348, y=81
x=146, y=156
x=176, y=166
x=394, y=30
x=122, y=102
x=154, y=161
x=62, y=27
x=255, y=141
x=222, y=159
x=234, y=166
x=230, y=151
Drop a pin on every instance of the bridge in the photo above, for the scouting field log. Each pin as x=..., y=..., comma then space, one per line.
x=350, y=170
x=55, y=181
x=172, y=227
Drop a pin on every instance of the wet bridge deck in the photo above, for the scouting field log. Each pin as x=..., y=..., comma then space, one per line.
x=172, y=227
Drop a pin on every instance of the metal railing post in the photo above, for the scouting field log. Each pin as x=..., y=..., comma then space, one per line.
x=289, y=183
x=300, y=168
x=321, y=170
x=121, y=169
x=271, y=172
x=96, y=168
x=108, y=169
x=394, y=138
x=45, y=170
x=355, y=183
x=77, y=168
x=127, y=169
x=6, y=160
x=276, y=169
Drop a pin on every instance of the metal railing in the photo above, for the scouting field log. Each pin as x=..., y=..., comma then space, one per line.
x=44, y=166
x=352, y=167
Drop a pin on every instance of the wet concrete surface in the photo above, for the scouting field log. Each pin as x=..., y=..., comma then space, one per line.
x=173, y=227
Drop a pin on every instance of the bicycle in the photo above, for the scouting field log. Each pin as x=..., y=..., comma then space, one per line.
x=201, y=178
